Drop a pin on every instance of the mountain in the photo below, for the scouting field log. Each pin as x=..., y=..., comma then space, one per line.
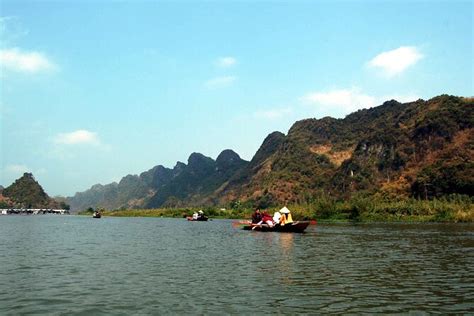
x=245, y=180
x=188, y=184
x=131, y=192
x=26, y=192
x=420, y=149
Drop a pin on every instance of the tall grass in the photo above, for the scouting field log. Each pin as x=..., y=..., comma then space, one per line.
x=177, y=212
x=455, y=208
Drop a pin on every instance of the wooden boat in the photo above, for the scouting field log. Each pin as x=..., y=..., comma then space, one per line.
x=295, y=227
x=199, y=219
x=96, y=215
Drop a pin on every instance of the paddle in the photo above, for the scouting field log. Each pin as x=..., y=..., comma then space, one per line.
x=241, y=223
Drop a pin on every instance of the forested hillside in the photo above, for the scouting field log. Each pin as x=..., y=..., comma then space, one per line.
x=26, y=192
x=421, y=149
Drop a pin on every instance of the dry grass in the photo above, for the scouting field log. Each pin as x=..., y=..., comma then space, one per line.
x=336, y=157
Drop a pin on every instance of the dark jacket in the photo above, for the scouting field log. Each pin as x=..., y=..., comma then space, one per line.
x=256, y=217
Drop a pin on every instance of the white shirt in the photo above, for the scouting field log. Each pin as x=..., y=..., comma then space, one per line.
x=276, y=217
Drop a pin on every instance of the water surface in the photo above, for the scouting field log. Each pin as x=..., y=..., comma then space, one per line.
x=72, y=265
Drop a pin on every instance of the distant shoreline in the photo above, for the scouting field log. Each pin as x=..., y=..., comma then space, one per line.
x=363, y=210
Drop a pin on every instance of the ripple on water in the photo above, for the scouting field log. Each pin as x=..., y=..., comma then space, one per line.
x=126, y=266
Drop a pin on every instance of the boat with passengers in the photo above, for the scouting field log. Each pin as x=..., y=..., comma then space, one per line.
x=281, y=221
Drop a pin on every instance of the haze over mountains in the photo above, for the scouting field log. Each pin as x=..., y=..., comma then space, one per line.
x=421, y=149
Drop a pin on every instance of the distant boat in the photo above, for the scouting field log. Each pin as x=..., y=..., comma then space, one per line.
x=199, y=219
x=96, y=215
x=295, y=227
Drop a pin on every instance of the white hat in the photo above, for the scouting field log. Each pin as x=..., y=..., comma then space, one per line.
x=200, y=211
x=284, y=210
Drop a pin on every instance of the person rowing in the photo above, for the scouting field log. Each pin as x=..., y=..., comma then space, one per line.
x=256, y=216
x=267, y=219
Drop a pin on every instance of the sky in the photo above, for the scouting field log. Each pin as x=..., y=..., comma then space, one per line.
x=91, y=91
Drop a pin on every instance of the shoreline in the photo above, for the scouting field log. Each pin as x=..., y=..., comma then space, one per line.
x=465, y=217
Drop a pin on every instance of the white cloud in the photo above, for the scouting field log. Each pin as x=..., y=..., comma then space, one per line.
x=346, y=101
x=396, y=61
x=78, y=137
x=21, y=61
x=67, y=146
x=220, y=82
x=226, y=62
x=273, y=114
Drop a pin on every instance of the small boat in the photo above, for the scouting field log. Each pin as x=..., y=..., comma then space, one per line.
x=96, y=215
x=199, y=219
x=295, y=227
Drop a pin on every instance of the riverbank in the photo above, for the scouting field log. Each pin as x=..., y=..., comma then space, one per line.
x=452, y=209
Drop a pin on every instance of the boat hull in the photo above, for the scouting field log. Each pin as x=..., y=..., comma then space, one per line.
x=202, y=219
x=296, y=227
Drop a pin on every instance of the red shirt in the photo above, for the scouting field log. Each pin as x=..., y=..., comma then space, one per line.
x=267, y=217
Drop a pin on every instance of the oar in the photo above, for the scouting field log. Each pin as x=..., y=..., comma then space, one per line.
x=241, y=223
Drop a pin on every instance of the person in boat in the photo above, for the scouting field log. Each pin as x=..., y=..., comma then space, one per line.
x=200, y=215
x=266, y=219
x=256, y=216
x=195, y=216
x=277, y=218
x=285, y=216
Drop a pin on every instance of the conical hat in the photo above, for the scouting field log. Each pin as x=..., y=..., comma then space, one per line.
x=284, y=210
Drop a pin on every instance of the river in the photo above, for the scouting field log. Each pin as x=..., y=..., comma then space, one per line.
x=74, y=265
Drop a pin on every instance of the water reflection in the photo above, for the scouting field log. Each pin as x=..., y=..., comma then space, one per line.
x=285, y=260
x=286, y=242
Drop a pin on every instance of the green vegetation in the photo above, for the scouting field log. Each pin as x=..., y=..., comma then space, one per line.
x=173, y=212
x=454, y=208
x=26, y=192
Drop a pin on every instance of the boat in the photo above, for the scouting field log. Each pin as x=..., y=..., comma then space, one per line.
x=199, y=219
x=295, y=227
x=96, y=215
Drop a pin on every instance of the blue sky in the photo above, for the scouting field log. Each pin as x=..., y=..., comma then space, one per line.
x=94, y=90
